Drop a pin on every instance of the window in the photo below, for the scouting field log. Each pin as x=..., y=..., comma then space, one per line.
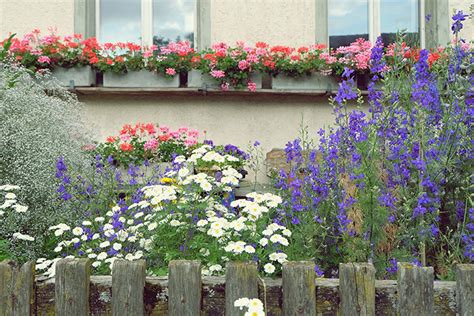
x=146, y=21
x=351, y=19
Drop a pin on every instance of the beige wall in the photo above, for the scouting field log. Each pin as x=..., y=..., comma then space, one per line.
x=286, y=22
x=227, y=119
x=22, y=16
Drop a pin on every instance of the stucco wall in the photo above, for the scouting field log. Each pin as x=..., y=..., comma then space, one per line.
x=227, y=119
x=22, y=16
x=287, y=22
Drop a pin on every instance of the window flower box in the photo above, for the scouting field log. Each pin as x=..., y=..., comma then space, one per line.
x=315, y=81
x=196, y=79
x=139, y=79
x=78, y=76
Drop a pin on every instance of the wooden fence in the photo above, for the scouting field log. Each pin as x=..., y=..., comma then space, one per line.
x=74, y=292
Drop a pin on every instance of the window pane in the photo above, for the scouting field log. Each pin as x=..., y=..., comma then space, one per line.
x=397, y=15
x=120, y=21
x=173, y=21
x=348, y=20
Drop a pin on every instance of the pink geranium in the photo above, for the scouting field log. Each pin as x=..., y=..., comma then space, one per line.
x=164, y=129
x=252, y=86
x=217, y=73
x=243, y=64
x=225, y=86
x=44, y=59
x=151, y=144
x=170, y=71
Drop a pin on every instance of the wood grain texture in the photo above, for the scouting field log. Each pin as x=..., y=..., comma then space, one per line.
x=465, y=289
x=299, y=288
x=72, y=282
x=184, y=287
x=415, y=290
x=16, y=288
x=241, y=281
x=128, y=285
x=357, y=288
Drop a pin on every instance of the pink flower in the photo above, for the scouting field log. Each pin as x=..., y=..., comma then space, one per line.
x=252, y=58
x=182, y=130
x=170, y=71
x=124, y=137
x=193, y=133
x=148, y=54
x=252, y=86
x=217, y=73
x=243, y=64
x=164, y=129
x=152, y=144
x=190, y=142
x=225, y=86
x=44, y=59
x=175, y=135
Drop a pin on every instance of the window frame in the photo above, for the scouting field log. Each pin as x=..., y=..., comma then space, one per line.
x=146, y=7
x=374, y=17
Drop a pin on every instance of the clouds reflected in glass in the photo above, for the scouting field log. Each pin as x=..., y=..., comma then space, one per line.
x=348, y=20
x=173, y=21
x=120, y=21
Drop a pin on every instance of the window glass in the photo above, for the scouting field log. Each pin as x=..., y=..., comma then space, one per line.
x=120, y=21
x=173, y=21
x=348, y=20
x=397, y=15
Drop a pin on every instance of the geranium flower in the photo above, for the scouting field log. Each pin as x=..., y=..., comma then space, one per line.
x=126, y=147
x=170, y=71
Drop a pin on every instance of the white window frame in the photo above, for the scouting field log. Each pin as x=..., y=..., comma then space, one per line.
x=374, y=17
x=146, y=21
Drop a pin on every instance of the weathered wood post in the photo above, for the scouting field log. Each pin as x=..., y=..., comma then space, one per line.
x=415, y=290
x=465, y=289
x=357, y=288
x=241, y=280
x=128, y=285
x=72, y=282
x=16, y=288
x=299, y=288
x=184, y=287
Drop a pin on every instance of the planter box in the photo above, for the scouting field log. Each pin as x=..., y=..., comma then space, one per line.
x=80, y=76
x=139, y=79
x=196, y=79
x=315, y=81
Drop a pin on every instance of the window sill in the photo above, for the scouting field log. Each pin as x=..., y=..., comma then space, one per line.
x=200, y=92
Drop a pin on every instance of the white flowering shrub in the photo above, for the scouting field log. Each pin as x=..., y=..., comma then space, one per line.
x=12, y=212
x=39, y=122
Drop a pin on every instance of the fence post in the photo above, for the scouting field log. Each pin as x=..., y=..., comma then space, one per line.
x=184, y=287
x=72, y=282
x=241, y=280
x=128, y=285
x=299, y=288
x=465, y=289
x=415, y=290
x=16, y=288
x=357, y=288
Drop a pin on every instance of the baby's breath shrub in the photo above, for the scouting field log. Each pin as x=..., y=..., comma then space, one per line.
x=39, y=122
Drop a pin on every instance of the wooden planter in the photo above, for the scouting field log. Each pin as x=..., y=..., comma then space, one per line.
x=139, y=79
x=196, y=79
x=78, y=76
x=315, y=81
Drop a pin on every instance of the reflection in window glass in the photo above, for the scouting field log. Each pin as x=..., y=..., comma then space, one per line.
x=173, y=21
x=397, y=15
x=120, y=21
x=348, y=20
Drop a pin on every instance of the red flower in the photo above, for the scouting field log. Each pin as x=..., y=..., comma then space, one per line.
x=109, y=61
x=303, y=50
x=261, y=45
x=164, y=138
x=432, y=58
x=111, y=139
x=126, y=147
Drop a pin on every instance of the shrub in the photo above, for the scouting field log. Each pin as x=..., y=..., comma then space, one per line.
x=40, y=121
